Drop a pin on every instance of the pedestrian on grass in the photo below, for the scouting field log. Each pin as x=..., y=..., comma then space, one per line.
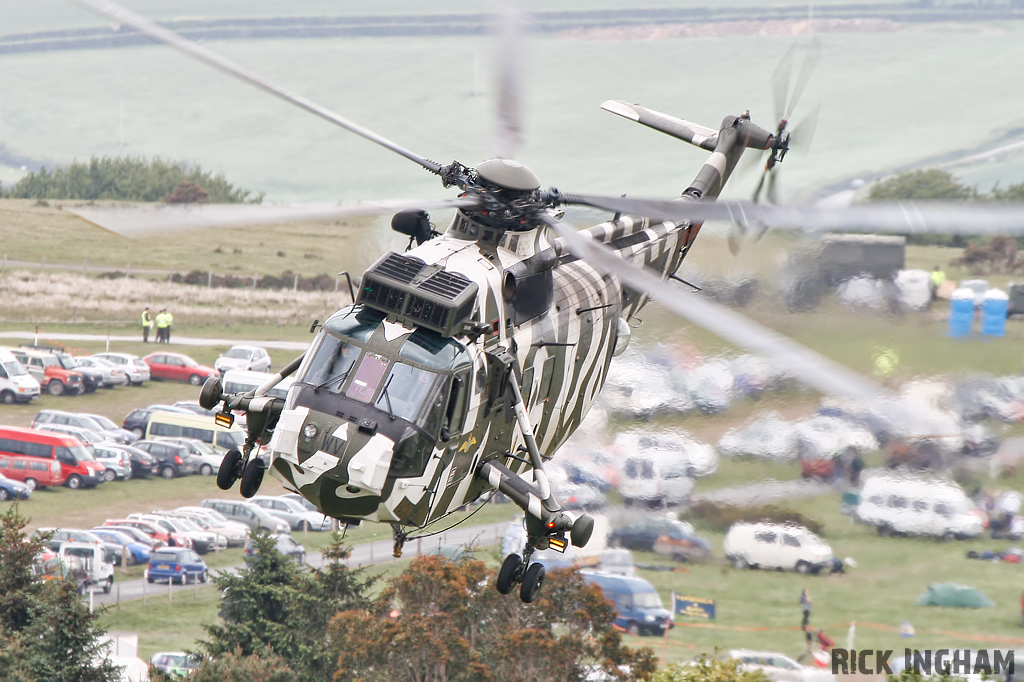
x=147, y=323
x=161, y=326
x=170, y=323
x=805, y=606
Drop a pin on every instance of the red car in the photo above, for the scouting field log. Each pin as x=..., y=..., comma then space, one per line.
x=178, y=367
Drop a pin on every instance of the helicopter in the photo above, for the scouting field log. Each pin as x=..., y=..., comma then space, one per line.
x=465, y=362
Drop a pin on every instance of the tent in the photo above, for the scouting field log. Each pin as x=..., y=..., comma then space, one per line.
x=951, y=594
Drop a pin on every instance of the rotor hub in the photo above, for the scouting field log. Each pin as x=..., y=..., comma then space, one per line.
x=508, y=174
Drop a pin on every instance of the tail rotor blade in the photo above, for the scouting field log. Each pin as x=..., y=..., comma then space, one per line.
x=803, y=132
x=780, y=81
x=807, y=69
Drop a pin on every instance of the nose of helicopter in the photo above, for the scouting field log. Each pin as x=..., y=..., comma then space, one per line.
x=341, y=468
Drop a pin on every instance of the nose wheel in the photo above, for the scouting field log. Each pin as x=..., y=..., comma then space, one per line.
x=236, y=466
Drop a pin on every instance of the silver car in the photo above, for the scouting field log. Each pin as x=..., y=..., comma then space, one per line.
x=297, y=516
x=113, y=375
x=136, y=367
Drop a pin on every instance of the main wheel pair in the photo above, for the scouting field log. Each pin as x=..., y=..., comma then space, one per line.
x=511, y=572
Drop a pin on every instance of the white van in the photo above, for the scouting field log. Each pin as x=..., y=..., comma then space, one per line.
x=243, y=381
x=101, y=572
x=174, y=425
x=655, y=479
x=776, y=545
x=918, y=506
x=16, y=384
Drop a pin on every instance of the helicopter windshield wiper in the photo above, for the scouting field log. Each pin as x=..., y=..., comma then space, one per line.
x=339, y=378
x=387, y=398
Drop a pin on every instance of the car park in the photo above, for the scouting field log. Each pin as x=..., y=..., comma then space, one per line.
x=92, y=377
x=207, y=462
x=136, y=552
x=661, y=535
x=176, y=565
x=77, y=464
x=16, y=384
x=285, y=544
x=912, y=505
x=113, y=375
x=90, y=422
x=178, y=367
x=778, y=546
x=251, y=358
x=155, y=531
x=199, y=540
x=297, y=516
x=172, y=460
x=13, y=490
x=249, y=514
x=637, y=604
x=48, y=371
x=136, y=369
x=59, y=536
x=654, y=479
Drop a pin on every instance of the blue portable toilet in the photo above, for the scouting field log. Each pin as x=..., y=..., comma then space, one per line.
x=993, y=313
x=961, y=313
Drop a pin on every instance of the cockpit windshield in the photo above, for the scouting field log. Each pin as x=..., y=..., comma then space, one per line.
x=410, y=393
x=331, y=364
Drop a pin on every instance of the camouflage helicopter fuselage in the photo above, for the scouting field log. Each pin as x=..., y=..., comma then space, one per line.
x=403, y=396
x=562, y=323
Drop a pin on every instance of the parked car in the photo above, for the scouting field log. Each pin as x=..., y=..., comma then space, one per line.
x=779, y=546
x=664, y=536
x=113, y=375
x=78, y=467
x=172, y=460
x=90, y=422
x=243, y=381
x=233, y=534
x=155, y=531
x=59, y=536
x=219, y=438
x=13, y=490
x=206, y=460
x=117, y=462
x=194, y=407
x=176, y=565
x=137, y=370
x=143, y=464
x=249, y=514
x=176, y=663
x=93, y=377
x=654, y=479
x=252, y=358
x=136, y=552
x=33, y=472
x=51, y=375
x=135, y=534
x=178, y=367
x=138, y=419
x=16, y=384
x=285, y=544
x=200, y=540
x=294, y=513
x=697, y=458
x=778, y=667
x=101, y=569
x=918, y=506
x=637, y=603
x=237, y=531
x=48, y=566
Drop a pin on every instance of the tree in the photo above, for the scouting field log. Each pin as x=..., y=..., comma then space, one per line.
x=708, y=669
x=276, y=605
x=46, y=630
x=187, y=192
x=236, y=667
x=930, y=183
x=442, y=621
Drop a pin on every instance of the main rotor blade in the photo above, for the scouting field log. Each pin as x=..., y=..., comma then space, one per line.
x=510, y=75
x=137, y=221
x=812, y=368
x=149, y=28
x=891, y=218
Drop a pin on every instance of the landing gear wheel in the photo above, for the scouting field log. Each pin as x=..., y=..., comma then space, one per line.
x=507, y=573
x=533, y=580
x=582, y=529
x=226, y=475
x=252, y=477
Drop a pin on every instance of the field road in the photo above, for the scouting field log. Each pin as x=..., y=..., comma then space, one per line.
x=365, y=554
x=178, y=340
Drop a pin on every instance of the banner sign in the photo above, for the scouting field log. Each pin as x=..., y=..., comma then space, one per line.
x=696, y=607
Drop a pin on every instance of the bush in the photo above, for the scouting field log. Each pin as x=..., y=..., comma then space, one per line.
x=719, y=517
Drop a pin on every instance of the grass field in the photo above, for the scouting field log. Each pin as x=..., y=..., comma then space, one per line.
x=890, y=99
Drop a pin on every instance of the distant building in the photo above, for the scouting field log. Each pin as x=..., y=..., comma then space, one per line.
x=851, y=255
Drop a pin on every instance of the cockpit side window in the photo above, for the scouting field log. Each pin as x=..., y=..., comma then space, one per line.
x=455, y=413
x=330, y=364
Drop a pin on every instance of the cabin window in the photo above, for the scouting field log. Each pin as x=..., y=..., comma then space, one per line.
x=765, y=536
x=455, y=414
